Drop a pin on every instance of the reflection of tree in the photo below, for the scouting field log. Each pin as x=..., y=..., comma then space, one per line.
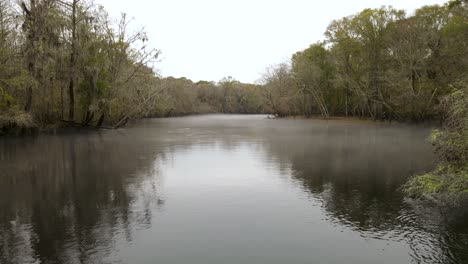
x=70, y=197
x=61, y=198
x=443, y=232
x=355, y=170
x=356, y=173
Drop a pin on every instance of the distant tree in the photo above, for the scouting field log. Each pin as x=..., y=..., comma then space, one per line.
x=280, y=89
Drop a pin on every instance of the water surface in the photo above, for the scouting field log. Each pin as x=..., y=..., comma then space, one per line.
x=223, y=189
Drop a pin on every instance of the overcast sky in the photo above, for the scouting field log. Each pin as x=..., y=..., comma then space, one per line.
x=211, y=39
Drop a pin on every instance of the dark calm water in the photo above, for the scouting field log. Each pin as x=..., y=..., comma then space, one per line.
x=223, y=189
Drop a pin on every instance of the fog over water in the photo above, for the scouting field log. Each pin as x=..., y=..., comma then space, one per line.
x=223, y=189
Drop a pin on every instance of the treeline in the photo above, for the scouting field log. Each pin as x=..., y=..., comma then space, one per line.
x=379, y=63
x=182, y=97
x=68, y=62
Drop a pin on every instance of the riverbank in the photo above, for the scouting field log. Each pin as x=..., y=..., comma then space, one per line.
x=447, y=185
x=24, y=125
x=450, y=180
x=17, y=122
x=364, y=120
x=15, y=128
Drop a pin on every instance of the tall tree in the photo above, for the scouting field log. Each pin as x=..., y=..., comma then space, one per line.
x=74, y=41
x=313, y=72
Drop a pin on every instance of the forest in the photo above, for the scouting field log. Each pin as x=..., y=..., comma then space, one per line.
x=69, y=63
x=77, y=186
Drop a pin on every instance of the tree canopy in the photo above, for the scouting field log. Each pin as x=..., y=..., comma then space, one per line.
x=68, y=62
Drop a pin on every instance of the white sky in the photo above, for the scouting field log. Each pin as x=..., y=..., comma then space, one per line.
x=211, y=39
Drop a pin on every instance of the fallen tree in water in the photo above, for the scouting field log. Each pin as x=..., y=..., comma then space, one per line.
x=450, y=179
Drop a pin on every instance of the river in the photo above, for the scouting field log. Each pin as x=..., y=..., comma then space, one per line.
x=228, y=189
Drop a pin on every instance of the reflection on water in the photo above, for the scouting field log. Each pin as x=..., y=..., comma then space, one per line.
x=223, y=189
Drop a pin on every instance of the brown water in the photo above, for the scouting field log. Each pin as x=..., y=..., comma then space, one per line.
x=223, y=189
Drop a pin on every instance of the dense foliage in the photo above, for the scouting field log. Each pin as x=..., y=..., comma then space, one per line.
x=379, y=63
x=67, y=62
x=182, y=97
x=451, y=144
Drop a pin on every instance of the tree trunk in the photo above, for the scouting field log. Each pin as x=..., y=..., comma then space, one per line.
x=100, y=121
x=29, y=28
x=71, y=85
x=29, y=89
x=346, y=98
